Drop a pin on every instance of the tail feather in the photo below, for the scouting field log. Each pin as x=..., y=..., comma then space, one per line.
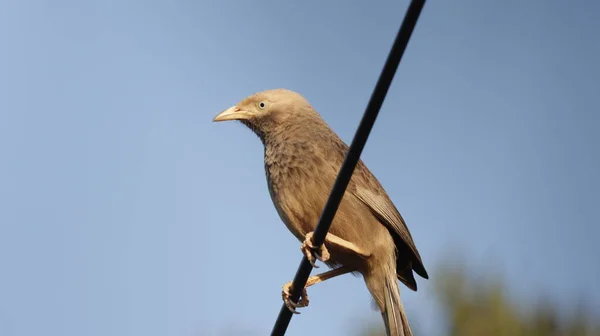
x=394, y=316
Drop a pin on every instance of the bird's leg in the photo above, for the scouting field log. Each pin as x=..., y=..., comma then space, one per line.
x=322, y=254
x=303, y=302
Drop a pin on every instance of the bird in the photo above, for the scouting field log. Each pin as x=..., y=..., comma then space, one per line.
x=368, y=236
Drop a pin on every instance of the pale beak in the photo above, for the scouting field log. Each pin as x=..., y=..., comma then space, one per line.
x=233, y=113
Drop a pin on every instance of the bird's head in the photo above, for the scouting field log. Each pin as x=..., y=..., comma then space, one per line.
x=270, y=111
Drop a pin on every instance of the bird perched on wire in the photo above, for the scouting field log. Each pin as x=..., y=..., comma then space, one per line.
x=367, y=236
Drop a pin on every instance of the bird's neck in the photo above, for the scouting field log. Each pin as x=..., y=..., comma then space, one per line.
x=287, y=150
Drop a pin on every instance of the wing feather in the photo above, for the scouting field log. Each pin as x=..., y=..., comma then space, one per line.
x=374, y=197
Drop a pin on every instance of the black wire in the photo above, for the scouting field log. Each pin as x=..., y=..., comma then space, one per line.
x=352, y=157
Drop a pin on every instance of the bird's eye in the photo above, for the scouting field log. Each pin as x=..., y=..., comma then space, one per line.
x=262, y=105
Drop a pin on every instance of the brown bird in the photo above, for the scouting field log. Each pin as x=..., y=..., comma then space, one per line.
x=367, y=236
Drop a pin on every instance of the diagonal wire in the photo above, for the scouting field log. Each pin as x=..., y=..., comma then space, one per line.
x=352, y=157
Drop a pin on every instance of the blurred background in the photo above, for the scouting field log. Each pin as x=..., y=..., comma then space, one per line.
x=125, y=211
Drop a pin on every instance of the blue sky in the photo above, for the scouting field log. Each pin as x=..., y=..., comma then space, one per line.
x=125, y=211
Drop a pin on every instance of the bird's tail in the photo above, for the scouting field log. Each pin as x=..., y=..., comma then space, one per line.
x=394, y=316
x=383, y=285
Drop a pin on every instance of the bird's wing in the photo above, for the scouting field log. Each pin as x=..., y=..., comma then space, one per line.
x=367, y=189
x=385, y=211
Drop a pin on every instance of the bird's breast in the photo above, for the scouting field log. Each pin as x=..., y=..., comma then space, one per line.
x=298, y=188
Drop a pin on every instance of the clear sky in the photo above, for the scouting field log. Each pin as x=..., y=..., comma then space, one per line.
x=125, y=211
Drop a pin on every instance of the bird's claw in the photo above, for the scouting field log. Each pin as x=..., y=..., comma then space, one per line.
x=310, y=251
x=286, y=296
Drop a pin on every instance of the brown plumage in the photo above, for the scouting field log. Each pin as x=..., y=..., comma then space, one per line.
x=368, y=235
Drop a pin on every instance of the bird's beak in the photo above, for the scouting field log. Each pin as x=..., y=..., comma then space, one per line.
x=233, y=113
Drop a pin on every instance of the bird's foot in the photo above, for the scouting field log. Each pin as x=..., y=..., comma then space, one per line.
x=310, y=251
x=286, y=295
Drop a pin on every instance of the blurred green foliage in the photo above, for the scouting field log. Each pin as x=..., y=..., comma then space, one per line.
x=476, y=306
